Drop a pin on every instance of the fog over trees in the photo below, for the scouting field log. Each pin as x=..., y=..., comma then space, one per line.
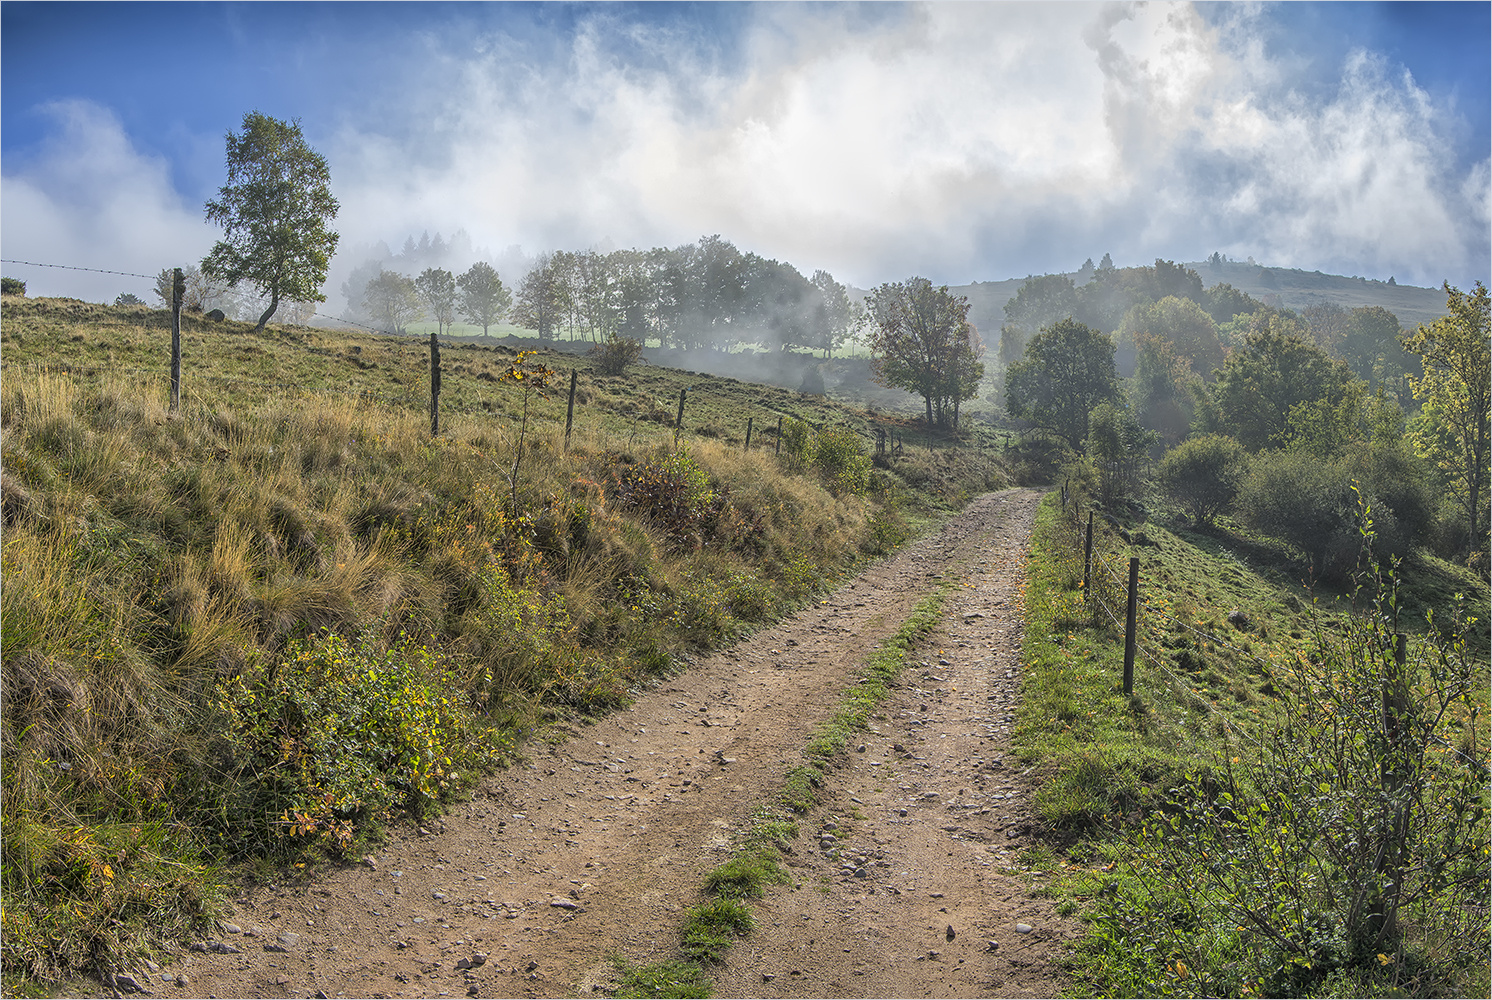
x=708, y=294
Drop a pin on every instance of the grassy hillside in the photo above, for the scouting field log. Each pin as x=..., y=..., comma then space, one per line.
x=1292, y=288
x=1224, y=828
x=202, y=612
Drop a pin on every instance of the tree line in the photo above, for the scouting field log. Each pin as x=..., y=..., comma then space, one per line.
x=703, y=295
x=1283, y=419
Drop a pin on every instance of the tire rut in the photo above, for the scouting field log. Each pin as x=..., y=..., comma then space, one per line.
x=597, y=844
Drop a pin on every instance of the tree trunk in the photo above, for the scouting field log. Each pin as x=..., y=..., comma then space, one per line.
x=274, y=303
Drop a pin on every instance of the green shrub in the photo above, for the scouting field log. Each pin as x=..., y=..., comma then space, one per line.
x=1311, y=502
x=1203, y=474
x=613, y=357
x=12, y=286
x=337, y=736
x=837, y=454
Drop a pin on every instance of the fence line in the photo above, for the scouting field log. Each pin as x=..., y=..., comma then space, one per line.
x=71, y=267
x=1150, y=622
x=875, y=435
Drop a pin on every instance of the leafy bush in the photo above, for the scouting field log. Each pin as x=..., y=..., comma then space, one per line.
x=1203, y=474
x=837, y=454
x=128, y=299
x=1311, y=502
x=338, y=736
x=12, y=286
x=1346, y=850
x=613, y=357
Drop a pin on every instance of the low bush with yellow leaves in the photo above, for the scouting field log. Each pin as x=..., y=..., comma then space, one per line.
x=340, y=736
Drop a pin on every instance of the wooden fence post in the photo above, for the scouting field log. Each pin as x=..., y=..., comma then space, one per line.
x=1129, y=625
x=178, y=290
x=570, y=410
x=678, y=421
x=748, y=433
x=1088, y=557
x=434, y=385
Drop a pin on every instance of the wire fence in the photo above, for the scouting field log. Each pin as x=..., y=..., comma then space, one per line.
x=892, y=439
x=1106, y=593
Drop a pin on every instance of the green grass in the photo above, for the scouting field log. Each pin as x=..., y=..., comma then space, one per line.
x=710, y=928
x=1207, y=690
x=669, y=979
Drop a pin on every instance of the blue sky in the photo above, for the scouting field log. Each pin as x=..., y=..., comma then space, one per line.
x=961, y=142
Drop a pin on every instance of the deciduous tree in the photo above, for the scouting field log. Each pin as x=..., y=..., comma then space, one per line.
x=1190, y=331
x=484, y=300
x=391, y=300
x=1278, y=378
x=922, y=341
x=541, y=298
x=1067, y=370
x=275, y=210
x=1456, y=353
x=436, y=288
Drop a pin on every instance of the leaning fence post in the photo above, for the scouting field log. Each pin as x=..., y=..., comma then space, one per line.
x=1088, y=557
x=178, y=290
x=678, y=421
x=1129, y=625
x=570, y=410
x=748, y=433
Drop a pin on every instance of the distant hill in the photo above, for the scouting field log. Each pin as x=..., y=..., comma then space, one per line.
x=1296, y=289
x=1288, y=288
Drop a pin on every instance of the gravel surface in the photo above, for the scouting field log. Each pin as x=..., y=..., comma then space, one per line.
x=904, y=877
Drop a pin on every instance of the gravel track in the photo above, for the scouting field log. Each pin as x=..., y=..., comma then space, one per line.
x=598, y=844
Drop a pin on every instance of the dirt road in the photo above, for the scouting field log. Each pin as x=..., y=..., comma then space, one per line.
x=903, y=876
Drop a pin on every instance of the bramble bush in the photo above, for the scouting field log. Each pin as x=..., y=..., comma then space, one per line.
x=338, y=736
x=675, y=493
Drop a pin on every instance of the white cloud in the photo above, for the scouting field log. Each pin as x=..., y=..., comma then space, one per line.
x=963, y=141
x=958, y=141
x=88, y=197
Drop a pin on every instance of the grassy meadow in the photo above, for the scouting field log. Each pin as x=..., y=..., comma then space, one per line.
x=1229, y=827
x=205, y=613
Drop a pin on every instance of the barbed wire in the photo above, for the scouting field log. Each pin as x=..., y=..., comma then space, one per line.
x=73, y=267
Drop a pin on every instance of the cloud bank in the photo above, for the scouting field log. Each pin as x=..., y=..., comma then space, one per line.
x=961, y=142
x=89, y=198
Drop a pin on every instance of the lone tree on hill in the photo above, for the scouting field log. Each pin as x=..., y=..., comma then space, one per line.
x=922, y=341
x=274, y=210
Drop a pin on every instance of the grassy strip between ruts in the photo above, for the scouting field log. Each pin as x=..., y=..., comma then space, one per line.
x=709, y=928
